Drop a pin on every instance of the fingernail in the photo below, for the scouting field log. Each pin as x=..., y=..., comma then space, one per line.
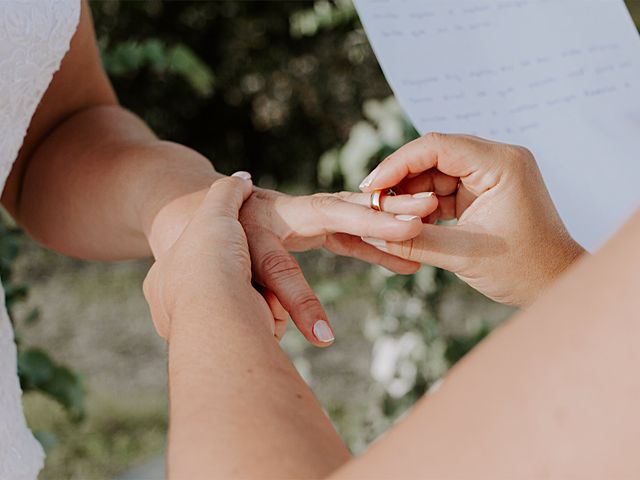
x=242, y=175
x=376, y=242
x=423, y=195
x=407, y=218
x=366, y=183
x=322, y=332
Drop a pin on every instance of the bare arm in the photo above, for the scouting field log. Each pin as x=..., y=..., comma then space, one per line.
x=553, y=394
x=244, y=412
x=238, y=407
x=91, y=177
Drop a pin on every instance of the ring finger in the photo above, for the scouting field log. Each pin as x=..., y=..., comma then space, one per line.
x=420, y=204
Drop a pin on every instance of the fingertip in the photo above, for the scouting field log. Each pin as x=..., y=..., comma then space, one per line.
x=387, y=174
x=382, y=177
x=226, y=196
x=308, y=316
x=368, y=183
x=246, y=182
x=323, y=333
x=242, y=174
x=408, y=226
x=409, y=269
x=396, y=264
x=423, y=204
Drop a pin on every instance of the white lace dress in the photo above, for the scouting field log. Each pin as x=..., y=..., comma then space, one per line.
x=34, y=37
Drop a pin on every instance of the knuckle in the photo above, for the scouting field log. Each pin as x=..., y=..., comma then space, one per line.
x=305, y=300
x=278, y=265
x=228, y=181
x=521, y=157
x=322, y=202
x=434, y=137
x=345, y=196
x=223, y=184
x=522, y=152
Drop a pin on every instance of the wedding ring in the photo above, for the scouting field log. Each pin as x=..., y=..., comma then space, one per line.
x=376, y=198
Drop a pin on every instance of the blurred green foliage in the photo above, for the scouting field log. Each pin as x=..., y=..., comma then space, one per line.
x=129, y=57
x=39, y=372
x=323, y=15
x=290, y=78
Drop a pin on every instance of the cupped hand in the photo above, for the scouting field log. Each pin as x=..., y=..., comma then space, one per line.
x=210, y=257
x=509, y=241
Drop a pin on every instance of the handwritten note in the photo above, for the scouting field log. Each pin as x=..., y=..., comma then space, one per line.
x=561, y=77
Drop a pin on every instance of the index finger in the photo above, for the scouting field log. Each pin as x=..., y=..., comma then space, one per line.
x=455, y=155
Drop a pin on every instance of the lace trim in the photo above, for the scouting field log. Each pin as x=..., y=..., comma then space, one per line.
x=35, y=36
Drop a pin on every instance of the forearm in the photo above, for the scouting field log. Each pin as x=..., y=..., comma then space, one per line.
x=102, y=186
x=553, y=393
x=244, y=412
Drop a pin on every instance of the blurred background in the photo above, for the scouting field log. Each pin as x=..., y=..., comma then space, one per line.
x=290, y=91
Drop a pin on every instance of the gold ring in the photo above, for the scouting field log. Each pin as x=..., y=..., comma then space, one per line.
x=376, y=199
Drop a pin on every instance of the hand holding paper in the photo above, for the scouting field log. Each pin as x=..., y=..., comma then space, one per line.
x=560, y=77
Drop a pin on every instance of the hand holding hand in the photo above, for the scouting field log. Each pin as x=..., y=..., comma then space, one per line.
x=210, y=258
x=509, y=241
x=277, y=223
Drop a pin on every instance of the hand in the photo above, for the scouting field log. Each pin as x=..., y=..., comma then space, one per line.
x=509, y=242
x=276, y=224
x=210, y=257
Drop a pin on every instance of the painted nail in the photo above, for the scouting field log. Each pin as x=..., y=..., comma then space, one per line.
x=423, y=195
x=323, y=332
x=407, y=218
x=242, y=175
x=376, y=242
x=366, y=183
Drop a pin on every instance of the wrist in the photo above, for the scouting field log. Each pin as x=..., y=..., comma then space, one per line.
x=171, y=302
x=564, y=255
x=177, y=178
x=171, y=219
x=571, y=252
x=234, y=301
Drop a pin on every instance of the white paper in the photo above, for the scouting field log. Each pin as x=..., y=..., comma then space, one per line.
x=561, y=77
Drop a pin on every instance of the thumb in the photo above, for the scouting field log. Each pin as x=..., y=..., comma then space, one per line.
x=452, y=248
x=226, y=196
